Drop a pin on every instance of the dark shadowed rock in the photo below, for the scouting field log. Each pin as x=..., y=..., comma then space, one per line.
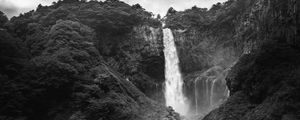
x=261, y=37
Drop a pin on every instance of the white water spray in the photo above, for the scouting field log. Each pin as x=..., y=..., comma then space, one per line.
x=210, y=90
x=173, y=85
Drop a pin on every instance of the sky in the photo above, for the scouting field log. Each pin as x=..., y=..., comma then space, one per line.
x=15, y=7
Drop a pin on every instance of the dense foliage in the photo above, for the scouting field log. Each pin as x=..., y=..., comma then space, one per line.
x=53, y=63
x=219, y=14
x=205, y=37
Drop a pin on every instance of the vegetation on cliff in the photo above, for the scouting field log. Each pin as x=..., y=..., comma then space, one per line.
x=206, y=37
x=68, y=60
x=265, y=77
x=262, y=36
x=80, y=60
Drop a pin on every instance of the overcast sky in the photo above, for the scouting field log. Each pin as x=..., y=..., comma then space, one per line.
x=15, y=7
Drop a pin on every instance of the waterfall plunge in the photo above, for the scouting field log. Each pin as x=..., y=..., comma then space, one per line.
x=174, y=83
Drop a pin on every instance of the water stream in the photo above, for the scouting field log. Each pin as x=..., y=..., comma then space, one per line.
x=210, y=90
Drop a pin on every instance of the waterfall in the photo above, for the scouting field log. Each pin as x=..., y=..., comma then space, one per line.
x=212, y=92
x=173, y=85
x=196, y=94
x=210, y=89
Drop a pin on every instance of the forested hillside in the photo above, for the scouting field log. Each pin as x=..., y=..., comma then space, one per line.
x=104, y=60
x=82, y=60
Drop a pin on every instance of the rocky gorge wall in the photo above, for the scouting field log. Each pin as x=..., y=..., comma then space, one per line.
x=240, y=41
x=264, y=81
x=205, y=57
x=207, y=50
x=79, y=60
x=140, y=58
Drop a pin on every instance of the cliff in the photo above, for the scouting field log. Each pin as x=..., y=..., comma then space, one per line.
x=263, y=83
x=259, y=39
x=207, y=49
x=79, y=60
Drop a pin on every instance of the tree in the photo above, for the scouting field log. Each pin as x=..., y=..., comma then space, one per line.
x=171, y=11
x=112, y=1
x=39, y=7
x=137, y=6
x=71, y=30
x=3, y=19
x=70, y=1
x=158, y=16
x=216, y=6
x=195, y=7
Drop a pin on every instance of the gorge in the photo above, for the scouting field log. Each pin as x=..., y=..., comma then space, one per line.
x=108, y=60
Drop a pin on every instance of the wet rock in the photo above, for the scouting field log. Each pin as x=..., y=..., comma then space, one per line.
x=269, y=83
x=261, y=36
x=172, y=115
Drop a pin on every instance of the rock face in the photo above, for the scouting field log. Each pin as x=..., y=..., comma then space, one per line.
x=207, y=90
x=144, y=60
x=200, y=50
x=206, y=51
x=205, y=56
x=266, y=79
x=263, y=86
x=258, y=38
x=140, y=58
x=78, y=60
